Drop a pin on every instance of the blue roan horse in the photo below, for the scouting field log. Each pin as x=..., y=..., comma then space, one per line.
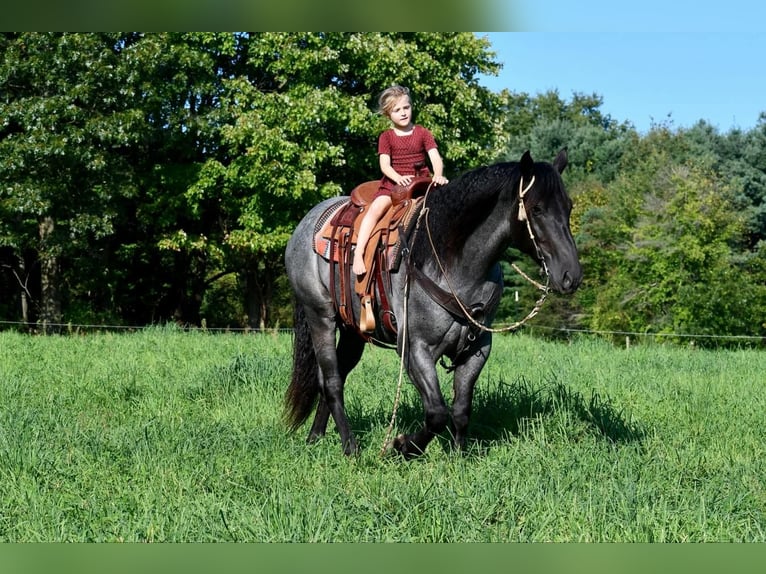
x=469, y=223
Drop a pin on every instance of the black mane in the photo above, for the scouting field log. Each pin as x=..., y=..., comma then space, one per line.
x=459, y=207
x=456, y=209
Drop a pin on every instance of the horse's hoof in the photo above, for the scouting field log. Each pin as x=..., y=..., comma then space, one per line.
x=393, y=447
x=405, y=448
x=351, y=450
x=314, y=437
x=399, y=443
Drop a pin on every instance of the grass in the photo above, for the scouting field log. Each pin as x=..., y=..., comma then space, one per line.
x=165, y=435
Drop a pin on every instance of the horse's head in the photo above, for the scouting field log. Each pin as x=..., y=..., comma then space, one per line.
x=544, y=209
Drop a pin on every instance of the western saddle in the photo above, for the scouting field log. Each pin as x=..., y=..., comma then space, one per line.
x=335, y=239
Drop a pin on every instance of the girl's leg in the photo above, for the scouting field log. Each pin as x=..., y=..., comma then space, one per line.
x=376, y=210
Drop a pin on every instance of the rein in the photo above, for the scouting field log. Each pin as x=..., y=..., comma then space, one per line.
x=544, y=288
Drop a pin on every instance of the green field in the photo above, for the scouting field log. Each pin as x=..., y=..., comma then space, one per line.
x=164, y=435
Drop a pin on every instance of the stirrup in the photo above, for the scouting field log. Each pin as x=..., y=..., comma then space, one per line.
x=367, y=317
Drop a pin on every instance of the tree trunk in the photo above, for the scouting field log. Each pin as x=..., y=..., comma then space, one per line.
x=257, y=298
x=23, y=291
x=189, y=289
x=50, y=298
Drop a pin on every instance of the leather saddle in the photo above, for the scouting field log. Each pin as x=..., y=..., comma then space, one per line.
x=335, y=239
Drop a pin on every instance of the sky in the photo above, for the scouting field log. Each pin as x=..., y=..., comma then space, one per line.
x=672, y=63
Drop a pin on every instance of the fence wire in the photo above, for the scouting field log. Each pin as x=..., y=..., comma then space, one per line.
x=84, y=327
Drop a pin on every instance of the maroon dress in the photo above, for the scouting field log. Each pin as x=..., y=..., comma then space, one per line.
x=408, y=154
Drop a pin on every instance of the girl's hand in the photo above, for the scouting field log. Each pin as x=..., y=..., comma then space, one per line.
x=404, y=180
x=440, y=180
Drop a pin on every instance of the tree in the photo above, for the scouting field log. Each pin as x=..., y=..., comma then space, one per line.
x=300, y=125
x=668, y=254
x=166, y=236
x=596, y=145
x=739, y=157
x=545, y=123
x=64, y=122
x=138, y=170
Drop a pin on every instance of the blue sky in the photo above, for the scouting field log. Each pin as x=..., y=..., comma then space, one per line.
x=670, y=62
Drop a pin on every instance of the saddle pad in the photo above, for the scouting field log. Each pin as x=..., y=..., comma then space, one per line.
x=321, y=236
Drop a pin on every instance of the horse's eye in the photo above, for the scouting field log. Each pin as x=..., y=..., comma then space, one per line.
x=537, y=210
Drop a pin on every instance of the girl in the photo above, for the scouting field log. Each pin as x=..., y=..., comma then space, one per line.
x=400, y=150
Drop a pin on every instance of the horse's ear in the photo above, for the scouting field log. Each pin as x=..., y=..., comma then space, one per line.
x=527, y=164
x=560, y=163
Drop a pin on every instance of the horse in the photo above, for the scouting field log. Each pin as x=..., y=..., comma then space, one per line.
x=464, y=229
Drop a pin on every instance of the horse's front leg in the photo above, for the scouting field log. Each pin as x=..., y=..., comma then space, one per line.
x=466, y=375
x=422, y=372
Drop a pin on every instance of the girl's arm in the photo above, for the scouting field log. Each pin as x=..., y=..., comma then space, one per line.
x=438, y=165
x=391, y=173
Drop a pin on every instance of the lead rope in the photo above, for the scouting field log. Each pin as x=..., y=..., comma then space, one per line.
x=544, y=288
x=386, y=440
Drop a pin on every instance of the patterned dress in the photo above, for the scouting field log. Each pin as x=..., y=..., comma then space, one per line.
x=408, y=154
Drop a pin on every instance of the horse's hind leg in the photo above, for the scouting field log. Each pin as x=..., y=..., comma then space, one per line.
x=349, y=351
x=322, y=416
x=331, y=381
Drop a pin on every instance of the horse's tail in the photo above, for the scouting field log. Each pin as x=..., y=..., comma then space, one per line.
x=302, y=394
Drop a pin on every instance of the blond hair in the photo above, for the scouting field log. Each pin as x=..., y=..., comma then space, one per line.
x=390, y=96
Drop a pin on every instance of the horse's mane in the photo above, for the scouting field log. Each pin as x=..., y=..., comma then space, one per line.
x=459, y=207
x=456, y=209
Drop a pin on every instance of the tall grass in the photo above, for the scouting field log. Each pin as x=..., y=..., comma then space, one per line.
x=165, y=435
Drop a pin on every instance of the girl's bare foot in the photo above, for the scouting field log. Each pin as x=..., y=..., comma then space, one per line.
x=358, y=266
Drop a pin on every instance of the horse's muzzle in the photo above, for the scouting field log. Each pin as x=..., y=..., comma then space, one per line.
x=569, y=281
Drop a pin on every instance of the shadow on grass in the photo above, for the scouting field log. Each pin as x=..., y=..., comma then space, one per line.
x=508, y=409
x=515, y=409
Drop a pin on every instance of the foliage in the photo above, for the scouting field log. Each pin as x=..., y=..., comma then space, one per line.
x=147, y=178
x=163, y=162
x=668, y=255
x=66, y=122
